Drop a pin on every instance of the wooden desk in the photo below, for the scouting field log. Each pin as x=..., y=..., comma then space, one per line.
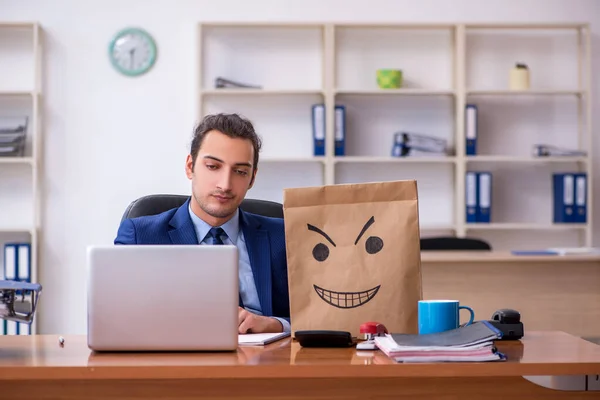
x=551, y=292
x=494, y=257
x=37, y=367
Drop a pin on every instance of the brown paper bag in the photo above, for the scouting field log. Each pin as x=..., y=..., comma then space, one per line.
x=353, y=254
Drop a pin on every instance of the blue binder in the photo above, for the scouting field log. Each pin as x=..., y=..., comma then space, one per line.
x=24, y=262
x=397, y=146
x=340, y=130
x=10, y=261
x=580, y=212
x=23, y=328
x=484, y=197
x=471, y=196
x=17, y=262
x=12, y=328
x=563, y=188
x=471, y=127
x=318, y=127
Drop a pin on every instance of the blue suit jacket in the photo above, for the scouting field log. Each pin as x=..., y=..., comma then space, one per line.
x=265, y=241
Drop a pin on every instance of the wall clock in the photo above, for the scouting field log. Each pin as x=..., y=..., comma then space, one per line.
x=132, y=51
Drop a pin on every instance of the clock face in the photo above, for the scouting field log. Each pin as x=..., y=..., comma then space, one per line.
x=132, y=52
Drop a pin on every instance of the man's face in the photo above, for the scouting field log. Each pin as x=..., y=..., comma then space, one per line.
x=222, y=174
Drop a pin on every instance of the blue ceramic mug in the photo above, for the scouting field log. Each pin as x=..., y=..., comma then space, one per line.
x=440, y=315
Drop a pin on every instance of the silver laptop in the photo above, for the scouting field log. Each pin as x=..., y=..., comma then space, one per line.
x=162, y=298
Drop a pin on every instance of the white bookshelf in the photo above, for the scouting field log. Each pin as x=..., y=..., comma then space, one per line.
x=445, y=66
x=21, y=95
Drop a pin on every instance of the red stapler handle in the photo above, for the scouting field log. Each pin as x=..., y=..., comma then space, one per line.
x=373, y=328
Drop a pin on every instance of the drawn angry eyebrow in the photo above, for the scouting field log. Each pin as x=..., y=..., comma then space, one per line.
x=367, y=225
x=315, y=229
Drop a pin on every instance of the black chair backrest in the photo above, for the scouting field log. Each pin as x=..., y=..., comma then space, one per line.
x=156, y=203
x=453, y=243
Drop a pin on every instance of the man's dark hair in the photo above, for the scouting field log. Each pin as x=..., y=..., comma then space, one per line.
x=231, y=125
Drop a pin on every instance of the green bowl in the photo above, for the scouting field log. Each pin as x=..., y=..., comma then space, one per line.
x=389, y=78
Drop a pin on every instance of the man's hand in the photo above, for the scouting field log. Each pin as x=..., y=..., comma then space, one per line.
x=252, y=323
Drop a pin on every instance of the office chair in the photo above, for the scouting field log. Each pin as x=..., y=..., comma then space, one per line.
x=444, y=243
x=156, y=203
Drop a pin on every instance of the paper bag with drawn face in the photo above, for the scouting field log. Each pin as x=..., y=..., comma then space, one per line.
x=353, y=254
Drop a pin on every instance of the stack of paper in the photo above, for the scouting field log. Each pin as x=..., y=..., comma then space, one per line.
x=470, y=343
x=414, y=144
x=260, y=339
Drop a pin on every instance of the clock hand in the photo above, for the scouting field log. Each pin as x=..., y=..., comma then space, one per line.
x=131, y=51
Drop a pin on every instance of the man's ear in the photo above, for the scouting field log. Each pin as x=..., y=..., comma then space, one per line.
x=254, y=170
x=189, y=166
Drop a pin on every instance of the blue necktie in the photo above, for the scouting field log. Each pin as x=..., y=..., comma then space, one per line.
x=215, y=235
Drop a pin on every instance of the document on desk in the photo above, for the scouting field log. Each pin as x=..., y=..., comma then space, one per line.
x=260, y=339
x=470, y=343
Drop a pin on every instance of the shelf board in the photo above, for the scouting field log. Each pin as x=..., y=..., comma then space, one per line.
x=259, y=24
x=524, y=226
x=16, y=160
x=531, y=92
x=16, y=229
x=527, y=26
x=414, y=159
x=16, y=93
x=259, y=92
x=423, y=228
x=404, y=26
x=291, y=159
x=17, y=24
x=524, y=159
x=483, y=256
x=395, y=92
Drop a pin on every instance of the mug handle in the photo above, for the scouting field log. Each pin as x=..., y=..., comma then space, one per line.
x=471, y=311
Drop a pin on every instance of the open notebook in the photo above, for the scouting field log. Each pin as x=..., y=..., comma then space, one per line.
x=260, y=339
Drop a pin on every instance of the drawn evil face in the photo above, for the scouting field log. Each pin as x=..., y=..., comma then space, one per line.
x=373, y=245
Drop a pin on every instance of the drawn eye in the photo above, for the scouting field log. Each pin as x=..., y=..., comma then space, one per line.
x=320, y=252
x=374, y=244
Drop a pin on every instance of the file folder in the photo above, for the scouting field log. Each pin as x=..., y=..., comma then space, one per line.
x=318, y=125
x=340, y=130
x=563, y=187
x=425, y=143
x=546, y=150
x=479, y=332
x=471, y=128
x=10, y=261
x=12, y=327
x=23, y=329
x=484, y=198
x=24, y=262
x=398, y=147
x=580, y=215
x=471, y=197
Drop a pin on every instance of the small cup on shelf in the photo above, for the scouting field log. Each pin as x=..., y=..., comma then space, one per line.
x=519, y=77
x=389, y=78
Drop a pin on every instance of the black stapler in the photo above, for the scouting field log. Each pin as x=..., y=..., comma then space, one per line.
x=509, y=323
x=324, y=338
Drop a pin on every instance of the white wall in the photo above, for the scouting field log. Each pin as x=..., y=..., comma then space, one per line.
x=109, y=139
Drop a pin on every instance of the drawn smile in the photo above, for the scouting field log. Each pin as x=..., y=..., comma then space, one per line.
x=346, y=299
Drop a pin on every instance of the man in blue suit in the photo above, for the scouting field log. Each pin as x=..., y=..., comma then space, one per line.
x=222, y=167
